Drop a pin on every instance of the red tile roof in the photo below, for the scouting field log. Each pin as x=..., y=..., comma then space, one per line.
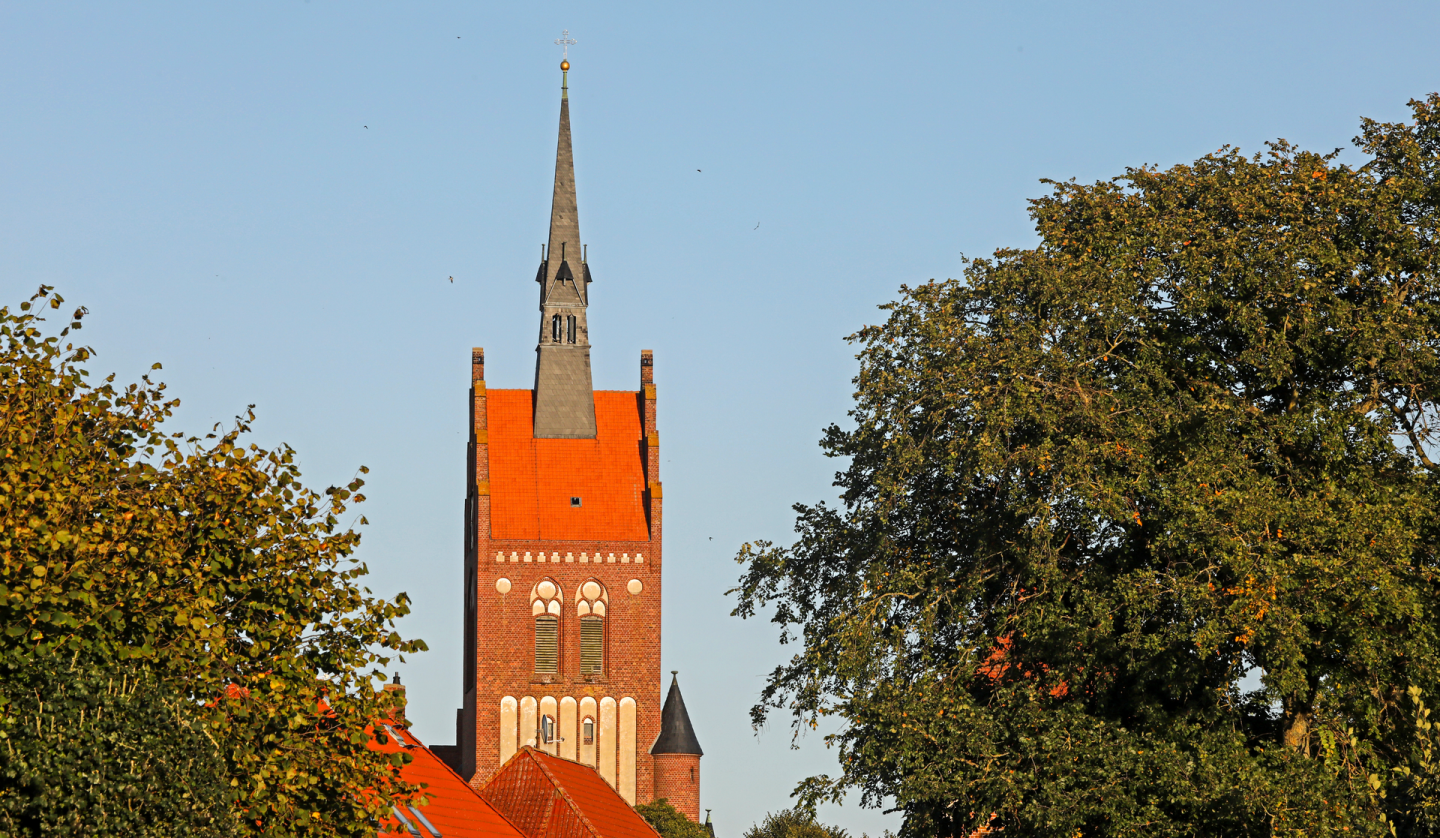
x=455, y=809
x=532, y=480
x=549, y=797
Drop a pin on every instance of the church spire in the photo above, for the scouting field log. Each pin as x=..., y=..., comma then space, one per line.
x=564, y=395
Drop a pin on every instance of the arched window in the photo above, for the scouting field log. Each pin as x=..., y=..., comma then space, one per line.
x=570, y=329
x=593, y=601
x=587, y=731
x=555, y=328
x=545, y=601
x=547, y=735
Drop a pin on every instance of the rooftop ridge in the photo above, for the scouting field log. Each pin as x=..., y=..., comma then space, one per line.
x=537, y=755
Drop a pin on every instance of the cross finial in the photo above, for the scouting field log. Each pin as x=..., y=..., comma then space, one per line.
x=565, y=41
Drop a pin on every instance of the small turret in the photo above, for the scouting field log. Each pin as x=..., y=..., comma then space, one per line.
x=677, y=753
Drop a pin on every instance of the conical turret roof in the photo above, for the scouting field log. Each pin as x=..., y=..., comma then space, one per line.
x=676, y=734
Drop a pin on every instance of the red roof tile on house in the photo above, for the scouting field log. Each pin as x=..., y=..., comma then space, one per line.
x=532, y=480
x=549, y=797
x=455, y=809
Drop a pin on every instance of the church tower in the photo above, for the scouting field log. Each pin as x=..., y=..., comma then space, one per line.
x=563, y=554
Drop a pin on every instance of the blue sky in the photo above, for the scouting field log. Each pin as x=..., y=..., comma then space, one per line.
x=268, y=199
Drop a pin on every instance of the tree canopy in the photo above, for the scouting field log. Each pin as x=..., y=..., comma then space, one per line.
x=793, y=823
x=207, y=562
x=669, y=821
x=1138, y=527
x=90, y=749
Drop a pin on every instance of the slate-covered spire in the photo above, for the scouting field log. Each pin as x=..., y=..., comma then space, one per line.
x=564, y=395
x=676, y=734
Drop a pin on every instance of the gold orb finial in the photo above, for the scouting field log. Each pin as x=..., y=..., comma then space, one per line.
x=564, y=66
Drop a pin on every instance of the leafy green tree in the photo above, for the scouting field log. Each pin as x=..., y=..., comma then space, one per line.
x=208, y=562
x=669, y=821
x=793, y=823
x=1138, y=527
x=105, y=751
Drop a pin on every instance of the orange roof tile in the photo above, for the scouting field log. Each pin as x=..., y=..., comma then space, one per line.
x=549, y=797
x=532, y=480
x=455, y=809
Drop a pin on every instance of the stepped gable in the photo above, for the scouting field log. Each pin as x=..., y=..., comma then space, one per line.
x=549, y=797
x=455, y=810
x=532, y=480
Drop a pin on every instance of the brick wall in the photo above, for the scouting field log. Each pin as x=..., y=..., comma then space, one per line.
x=499, y=627
x=677, y=779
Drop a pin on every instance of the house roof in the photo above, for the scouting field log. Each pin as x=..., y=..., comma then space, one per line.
x=676, y=734
x=532, y=480
x=455, y=810
x=549, y=797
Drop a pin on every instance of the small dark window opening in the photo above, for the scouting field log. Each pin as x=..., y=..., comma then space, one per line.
x=574, y=501
x=692, y=774
x=570, y=329
x=555, y=328
x=589, y=731
x=547, y=732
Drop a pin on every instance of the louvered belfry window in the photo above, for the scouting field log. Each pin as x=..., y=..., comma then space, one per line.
x=547, y=644
x=592, y=645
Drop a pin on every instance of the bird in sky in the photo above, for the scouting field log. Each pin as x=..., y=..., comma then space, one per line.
x=452, y=280
x=697, y=170
x=757, y=225
x=366, y=127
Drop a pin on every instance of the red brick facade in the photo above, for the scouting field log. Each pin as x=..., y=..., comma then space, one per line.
x=521, y=527
x=677, y=779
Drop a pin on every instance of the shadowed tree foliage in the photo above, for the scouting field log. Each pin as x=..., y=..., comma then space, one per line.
x=1138, y=527
x=793, y=823
x=206, y=562
x=105, y=751
x=669, y=821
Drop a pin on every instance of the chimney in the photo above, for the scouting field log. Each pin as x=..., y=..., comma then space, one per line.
x=396, y=693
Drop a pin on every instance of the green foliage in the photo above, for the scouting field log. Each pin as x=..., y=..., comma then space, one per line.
x=208, y=562
x=86, y=750
x=669, y=821
x=1187, y=438
x=793, y=823
x=1416, y=786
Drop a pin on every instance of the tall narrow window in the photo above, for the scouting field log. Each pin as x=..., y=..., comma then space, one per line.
x=545, y=602
x=555, y=328
x=547, y=644
x=592, y=645
x=591, y=609
x=587, y=732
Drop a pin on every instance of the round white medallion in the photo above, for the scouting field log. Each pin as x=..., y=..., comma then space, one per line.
x=502, y=585
x=546, y=589
x=591, y=589
x=634, y=586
